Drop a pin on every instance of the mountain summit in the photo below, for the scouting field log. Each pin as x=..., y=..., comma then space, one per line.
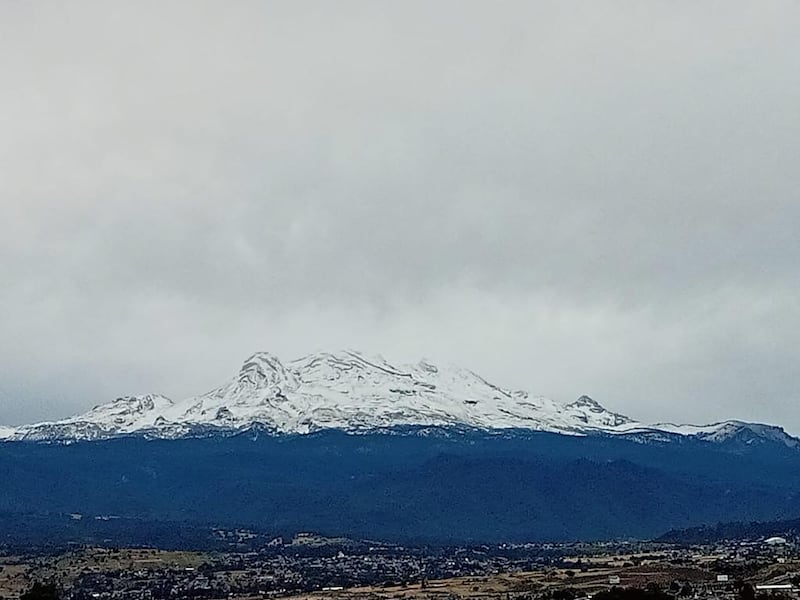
x=354, y=392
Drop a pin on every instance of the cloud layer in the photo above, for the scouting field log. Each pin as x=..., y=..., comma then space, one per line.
x=566, y=197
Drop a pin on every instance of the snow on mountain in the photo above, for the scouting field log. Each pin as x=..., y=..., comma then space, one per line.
x=349, y=391
x=733, y=430
x=740, y=432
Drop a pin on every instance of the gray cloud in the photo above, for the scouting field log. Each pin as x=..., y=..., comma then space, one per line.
x=566, y=197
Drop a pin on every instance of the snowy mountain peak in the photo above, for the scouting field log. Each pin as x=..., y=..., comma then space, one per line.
x=340, y=365
x=263, y=369
x=748, y=433
x=128, y=408
x=427, y=366
x=141, y=403
x=352, y=391
x=589, y=410
x=588, y=403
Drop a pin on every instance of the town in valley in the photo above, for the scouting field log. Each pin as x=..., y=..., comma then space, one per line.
x=313, y=567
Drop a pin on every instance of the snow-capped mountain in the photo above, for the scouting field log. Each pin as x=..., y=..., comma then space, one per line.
x=353, y=392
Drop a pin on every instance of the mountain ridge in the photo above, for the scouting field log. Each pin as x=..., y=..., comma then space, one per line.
x=354, y=392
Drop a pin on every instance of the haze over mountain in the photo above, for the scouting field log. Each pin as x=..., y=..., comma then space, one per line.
x=564, y=198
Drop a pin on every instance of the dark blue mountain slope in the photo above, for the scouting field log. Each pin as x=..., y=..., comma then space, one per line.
x=436, y=485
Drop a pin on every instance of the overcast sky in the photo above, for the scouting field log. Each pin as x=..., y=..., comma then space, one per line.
x=594, y=198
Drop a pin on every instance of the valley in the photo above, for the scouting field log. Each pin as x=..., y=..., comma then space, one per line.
x=310, y=567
